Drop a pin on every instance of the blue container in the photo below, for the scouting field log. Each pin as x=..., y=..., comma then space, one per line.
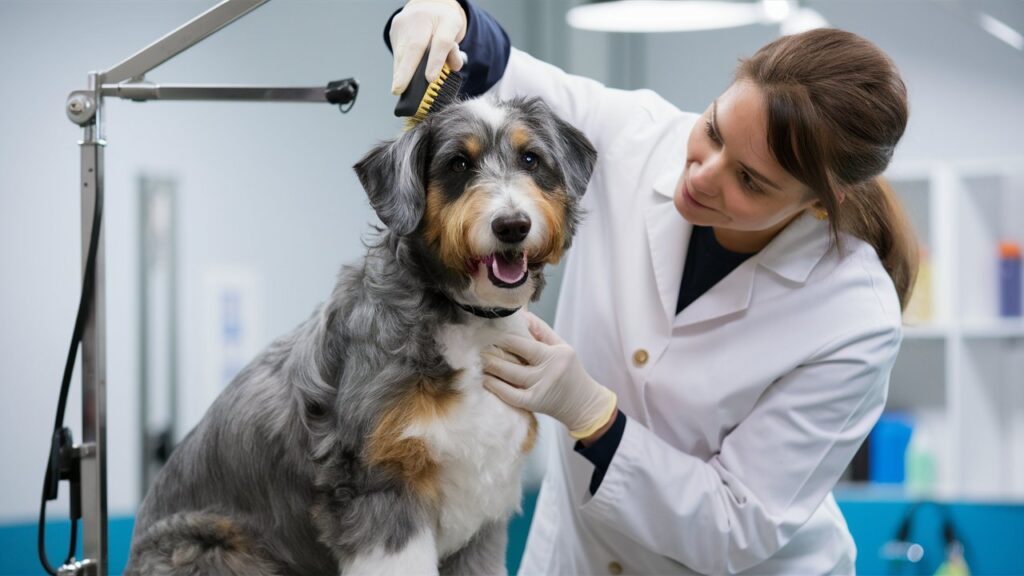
x=1010, y=289
x=887, y=448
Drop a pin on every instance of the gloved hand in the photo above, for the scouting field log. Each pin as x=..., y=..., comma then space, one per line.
x=549, y=380
x=435, y=24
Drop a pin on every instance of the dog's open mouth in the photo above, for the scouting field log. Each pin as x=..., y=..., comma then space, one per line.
x=504, y=269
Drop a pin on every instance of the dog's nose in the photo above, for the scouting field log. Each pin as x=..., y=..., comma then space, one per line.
x=512, y=228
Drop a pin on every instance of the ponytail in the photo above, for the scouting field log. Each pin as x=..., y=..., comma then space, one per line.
x=873, y=213
x=836, y=109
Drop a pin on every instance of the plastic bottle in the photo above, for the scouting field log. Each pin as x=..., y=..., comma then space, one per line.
x=919, y=309
x=1010, y=290
x=921, y=465
x=887, y=450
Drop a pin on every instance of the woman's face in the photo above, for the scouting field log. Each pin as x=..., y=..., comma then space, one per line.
x=731, y=181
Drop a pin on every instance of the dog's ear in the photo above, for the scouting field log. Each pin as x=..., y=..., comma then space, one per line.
x=393, y=175
x=577, y=156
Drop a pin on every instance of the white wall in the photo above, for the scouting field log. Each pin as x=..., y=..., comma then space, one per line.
x=268, y=188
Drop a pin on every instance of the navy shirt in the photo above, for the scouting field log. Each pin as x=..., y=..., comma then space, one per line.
x=707, y=262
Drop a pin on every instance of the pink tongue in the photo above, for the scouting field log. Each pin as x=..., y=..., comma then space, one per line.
x=509, y=272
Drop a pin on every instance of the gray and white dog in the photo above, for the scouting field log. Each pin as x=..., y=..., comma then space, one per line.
x=363, y=441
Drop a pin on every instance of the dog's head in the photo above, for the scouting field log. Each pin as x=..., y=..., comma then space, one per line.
x=491, y=188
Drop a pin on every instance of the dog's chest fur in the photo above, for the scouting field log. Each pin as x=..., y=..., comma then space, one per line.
x=479, y=444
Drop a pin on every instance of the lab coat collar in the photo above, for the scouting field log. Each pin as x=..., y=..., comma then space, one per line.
x=668, y=236
x=666, y=183
x=798, y=248
x=792, y=254
x=730, y=295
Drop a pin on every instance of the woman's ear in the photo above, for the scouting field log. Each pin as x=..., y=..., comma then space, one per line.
x=393, y=175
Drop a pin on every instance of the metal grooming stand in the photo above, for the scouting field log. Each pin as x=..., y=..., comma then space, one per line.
x=85, y=108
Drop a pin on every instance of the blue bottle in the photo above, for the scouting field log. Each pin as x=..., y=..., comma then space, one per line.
x=887, y=448
x=1010, y=289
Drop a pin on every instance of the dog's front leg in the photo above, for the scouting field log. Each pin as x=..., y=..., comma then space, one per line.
x=484, y=555
x=417, y=557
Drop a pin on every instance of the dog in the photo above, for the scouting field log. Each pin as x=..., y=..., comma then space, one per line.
x=364, y=442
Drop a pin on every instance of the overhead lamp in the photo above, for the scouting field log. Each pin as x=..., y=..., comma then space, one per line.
x=673, y=15
x=1001, y=30
x=686, y=15
x=802, y=20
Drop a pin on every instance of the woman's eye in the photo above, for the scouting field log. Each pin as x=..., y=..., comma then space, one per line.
x=710, y=131
x=530, y=160
x=749, y=183
x=459, y=164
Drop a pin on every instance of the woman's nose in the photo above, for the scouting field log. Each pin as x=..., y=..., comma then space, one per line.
x=704, y=176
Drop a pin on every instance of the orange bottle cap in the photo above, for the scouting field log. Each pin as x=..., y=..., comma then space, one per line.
x=1009, y=249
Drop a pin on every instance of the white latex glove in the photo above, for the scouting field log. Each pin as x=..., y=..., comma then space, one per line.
x=435, y=24
x=545, y=376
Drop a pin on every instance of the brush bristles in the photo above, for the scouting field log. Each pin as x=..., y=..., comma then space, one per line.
x=432, y=91
x=440, y=92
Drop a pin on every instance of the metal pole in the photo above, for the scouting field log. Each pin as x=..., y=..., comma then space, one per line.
x=94, y=352
x=85, y=108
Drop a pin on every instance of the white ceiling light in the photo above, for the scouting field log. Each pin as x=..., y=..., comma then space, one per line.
x=675, y=15
x=802, y=20
x=777, y=10
x=1001, y=30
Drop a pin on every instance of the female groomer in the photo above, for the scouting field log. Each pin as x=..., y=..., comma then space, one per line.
x=730, y=310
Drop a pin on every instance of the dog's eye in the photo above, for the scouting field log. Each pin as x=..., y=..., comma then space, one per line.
x=530, y=160
x=458, y=164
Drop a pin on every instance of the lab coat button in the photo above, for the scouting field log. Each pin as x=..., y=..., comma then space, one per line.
x=640, y=357
x=614, y=568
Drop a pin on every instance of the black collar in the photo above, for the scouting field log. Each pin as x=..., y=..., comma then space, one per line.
x=487, y=312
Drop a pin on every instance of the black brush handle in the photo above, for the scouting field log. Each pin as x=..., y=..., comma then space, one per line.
x=409, y=101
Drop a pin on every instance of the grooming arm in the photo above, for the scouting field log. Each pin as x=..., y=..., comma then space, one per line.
x=126, y=79
x=85, y=108
x=339, y=92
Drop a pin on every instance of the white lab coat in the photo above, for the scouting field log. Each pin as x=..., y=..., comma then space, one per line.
x=751, y=402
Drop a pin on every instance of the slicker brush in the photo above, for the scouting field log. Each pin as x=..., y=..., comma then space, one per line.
x=420, y=97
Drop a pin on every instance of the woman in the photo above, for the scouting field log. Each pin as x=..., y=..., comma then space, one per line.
x=730, y=309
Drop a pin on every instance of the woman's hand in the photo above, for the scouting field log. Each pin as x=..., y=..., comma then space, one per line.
x=435, y=24
x=544, y=375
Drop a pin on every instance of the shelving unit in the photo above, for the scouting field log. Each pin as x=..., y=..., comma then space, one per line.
x=960, y=372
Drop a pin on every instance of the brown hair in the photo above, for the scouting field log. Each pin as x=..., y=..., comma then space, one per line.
x=836, y=109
